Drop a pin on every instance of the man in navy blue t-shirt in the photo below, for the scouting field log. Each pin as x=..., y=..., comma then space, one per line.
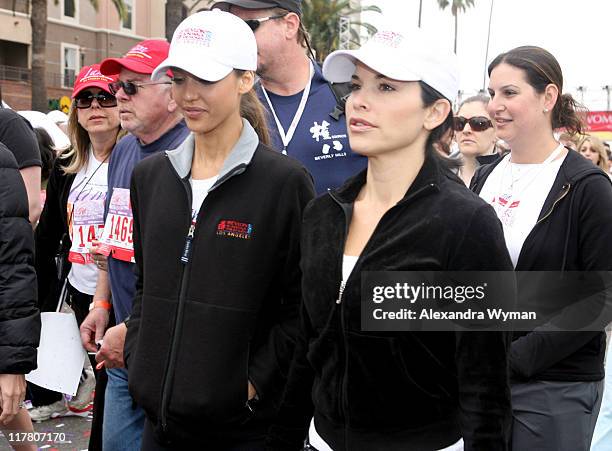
x=296, y=96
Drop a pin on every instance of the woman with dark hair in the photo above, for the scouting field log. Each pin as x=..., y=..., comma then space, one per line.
x=556, y=211
x=72, y=219
x=216, y=244
x=406, y=212
x=475, y=135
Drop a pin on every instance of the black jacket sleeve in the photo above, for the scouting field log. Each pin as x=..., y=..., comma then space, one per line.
x=269, y=362
x=19, y=317
x=541, y=349
x=51, y=229
x=481, y=357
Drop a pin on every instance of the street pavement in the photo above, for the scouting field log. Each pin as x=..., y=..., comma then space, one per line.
x=73, y=430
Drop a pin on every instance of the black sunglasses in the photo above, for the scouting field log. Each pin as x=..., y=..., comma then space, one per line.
x=104, y=99
x=477, y=123
x=131, y=88
x=255, y=23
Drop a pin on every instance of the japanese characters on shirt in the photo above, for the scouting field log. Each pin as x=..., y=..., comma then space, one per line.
x=117, y=238
x=86, y=209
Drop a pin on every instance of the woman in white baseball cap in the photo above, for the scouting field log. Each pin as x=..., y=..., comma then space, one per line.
x=369, y=387
x=216, y=233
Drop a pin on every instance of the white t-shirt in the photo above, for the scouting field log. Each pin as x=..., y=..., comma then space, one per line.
x=199, y=189
x=517, y=192
x=86, y=221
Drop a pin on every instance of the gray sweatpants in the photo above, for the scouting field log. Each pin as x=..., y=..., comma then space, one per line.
x=555, y=416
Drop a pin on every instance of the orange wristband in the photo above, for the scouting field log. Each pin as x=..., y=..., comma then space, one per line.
x=103, y=304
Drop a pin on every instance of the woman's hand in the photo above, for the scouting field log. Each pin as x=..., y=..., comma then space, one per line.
x=12, y=394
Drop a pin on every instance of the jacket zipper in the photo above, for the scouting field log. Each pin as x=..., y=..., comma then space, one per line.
x=185, y=259
x=564, y=190
x=343, y=385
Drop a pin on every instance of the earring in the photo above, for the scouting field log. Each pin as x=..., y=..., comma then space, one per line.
x=545, y=110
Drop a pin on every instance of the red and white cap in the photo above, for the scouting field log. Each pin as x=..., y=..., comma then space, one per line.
x=143, y=58
x=400, y=53
x=209, y=45
x=90, y=76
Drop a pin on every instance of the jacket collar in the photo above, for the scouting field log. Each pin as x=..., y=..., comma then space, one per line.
x=428, y=177
x=238, y=159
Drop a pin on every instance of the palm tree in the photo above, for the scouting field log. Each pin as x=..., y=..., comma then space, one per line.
x=322, y=17
x=457, y=6
x=38, y=21
x=175, y=13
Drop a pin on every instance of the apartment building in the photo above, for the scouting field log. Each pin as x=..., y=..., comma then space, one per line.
x=77, y=35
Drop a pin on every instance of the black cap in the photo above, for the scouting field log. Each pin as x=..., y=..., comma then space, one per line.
x=294, y=6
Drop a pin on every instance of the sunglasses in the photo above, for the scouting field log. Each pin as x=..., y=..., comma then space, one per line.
x=104, y=99
x=131, y=88
x=477, y=123
x=255, y=23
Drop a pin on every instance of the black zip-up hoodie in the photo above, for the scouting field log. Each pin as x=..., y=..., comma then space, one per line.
x=218, y=308
x=396, y=390
x=573, y=233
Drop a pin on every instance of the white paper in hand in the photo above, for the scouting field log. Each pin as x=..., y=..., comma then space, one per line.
x=60, y=354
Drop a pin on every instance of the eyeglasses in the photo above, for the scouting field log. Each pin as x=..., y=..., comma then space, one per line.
x=131, y=88
x=86, y=98
x=255, y=23
x=477, y=123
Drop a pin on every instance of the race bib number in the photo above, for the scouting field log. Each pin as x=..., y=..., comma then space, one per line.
x=117, y=236
x=87, y=226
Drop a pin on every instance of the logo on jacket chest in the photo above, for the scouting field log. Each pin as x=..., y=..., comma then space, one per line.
x=331, y=145
x=235, y=229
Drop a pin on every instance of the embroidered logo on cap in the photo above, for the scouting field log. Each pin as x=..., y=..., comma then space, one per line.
x=94, y=75
x=235, y=229
x=194, y=36
x=388, y=38
x=138, y=51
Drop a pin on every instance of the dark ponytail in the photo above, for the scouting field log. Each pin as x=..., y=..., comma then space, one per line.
x=442, y=135
x=541, y=69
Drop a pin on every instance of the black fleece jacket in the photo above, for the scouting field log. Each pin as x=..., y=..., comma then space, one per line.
x=396, y=390
x=19, y=317
x=200, y=330
x=573, y=233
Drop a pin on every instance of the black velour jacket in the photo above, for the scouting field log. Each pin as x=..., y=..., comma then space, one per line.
x=396, y=390
x=19, y=317
x=220, y=309
x=573, y=233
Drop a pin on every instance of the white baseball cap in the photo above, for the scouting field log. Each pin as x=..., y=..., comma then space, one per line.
x=402, y=54
x=209, y=45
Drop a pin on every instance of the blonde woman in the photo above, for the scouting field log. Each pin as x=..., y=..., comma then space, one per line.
x=592, y=148
x=72, y=217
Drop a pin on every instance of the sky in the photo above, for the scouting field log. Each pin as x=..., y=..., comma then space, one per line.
x=575, y=32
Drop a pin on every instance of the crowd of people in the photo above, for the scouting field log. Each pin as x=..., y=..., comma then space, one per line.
x=220, y=201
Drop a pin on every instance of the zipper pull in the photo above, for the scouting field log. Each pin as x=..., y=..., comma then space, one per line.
x=341, y=292
x=188, y=241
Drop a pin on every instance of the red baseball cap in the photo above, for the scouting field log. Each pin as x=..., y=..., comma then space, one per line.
x=143, y=58
x=90, y=76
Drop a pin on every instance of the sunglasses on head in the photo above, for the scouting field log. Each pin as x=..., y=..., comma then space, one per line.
x=131, y=88
x=477, y=123
x=104, y=99
x=255, y=23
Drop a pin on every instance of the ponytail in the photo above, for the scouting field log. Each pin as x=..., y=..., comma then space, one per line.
x=568, y=114
x=253, y=111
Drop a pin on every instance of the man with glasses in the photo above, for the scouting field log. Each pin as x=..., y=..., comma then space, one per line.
x=297, y=97
x=148, y=113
